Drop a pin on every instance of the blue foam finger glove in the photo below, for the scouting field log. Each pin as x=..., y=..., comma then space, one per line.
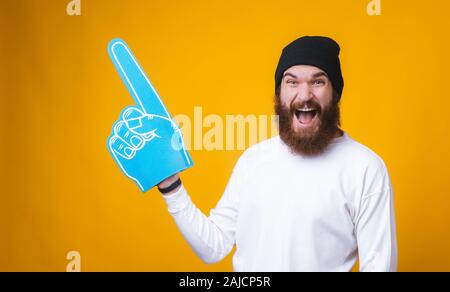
x=145, y=142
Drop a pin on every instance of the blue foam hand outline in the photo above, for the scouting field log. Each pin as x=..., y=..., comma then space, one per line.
x=145, y=141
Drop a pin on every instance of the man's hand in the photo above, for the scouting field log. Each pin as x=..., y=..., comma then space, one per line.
x=145, y=141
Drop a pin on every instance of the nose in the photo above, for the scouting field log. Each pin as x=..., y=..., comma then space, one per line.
x=304, y=93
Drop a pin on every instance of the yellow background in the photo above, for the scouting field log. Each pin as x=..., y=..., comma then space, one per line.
x=60, y=94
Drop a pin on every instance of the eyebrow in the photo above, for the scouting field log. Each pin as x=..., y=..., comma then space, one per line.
x=289, y=74
x=315, y=75
x=320, y=74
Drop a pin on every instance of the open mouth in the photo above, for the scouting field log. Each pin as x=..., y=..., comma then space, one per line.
x=306, y=116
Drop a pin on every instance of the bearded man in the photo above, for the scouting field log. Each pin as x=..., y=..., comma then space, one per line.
x=310, y=199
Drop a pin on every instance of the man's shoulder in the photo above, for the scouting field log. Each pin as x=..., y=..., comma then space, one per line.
x=366, y=168
x=358, y=153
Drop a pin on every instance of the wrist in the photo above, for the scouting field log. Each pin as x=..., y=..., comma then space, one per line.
x=168, y=181
x=170, y=186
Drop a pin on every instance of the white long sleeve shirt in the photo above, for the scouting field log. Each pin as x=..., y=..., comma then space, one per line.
x=285, y=212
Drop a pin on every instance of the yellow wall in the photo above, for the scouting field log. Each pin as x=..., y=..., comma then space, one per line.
x=60, y=94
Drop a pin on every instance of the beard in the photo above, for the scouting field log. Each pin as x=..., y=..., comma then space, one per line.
x=313, y=140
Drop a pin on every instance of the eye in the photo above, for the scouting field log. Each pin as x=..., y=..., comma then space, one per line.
x=291, y=82
x=319, y=82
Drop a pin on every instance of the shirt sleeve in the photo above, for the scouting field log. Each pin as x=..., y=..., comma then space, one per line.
x=376, y=231
x=211, y=238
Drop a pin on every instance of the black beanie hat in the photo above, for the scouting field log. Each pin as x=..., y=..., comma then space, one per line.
x=321, y=52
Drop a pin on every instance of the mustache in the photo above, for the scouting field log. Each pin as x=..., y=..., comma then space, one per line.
x=298, y=104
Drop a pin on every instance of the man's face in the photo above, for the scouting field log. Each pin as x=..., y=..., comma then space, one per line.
x=308, y=113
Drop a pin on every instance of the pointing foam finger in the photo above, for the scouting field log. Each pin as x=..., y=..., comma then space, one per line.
x=135, y=79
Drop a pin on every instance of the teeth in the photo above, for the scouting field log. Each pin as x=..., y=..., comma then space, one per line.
x=306, y=109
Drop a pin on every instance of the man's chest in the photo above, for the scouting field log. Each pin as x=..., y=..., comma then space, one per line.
x=278, y=197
